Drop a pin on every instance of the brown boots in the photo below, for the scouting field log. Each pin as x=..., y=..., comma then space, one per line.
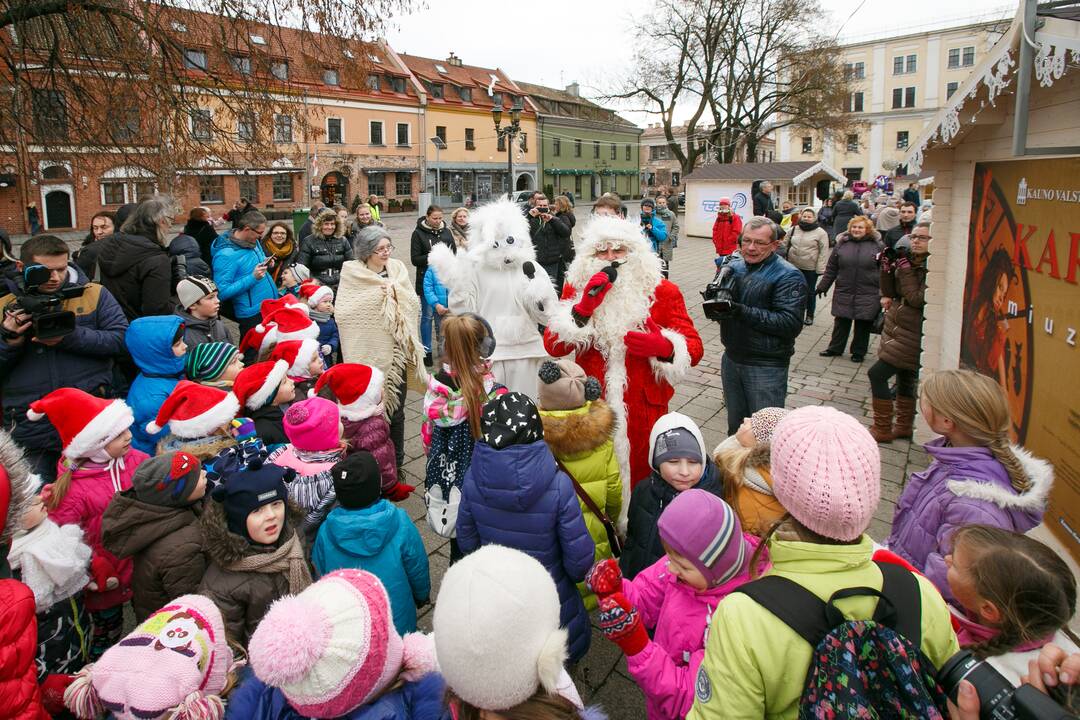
x=882, y=429
x=905, y=417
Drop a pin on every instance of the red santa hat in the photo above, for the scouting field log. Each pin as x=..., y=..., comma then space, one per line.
x=258, y=383
x=269, y=307
x=292, y=324
x=259, y=338
x=298, y=354
x=194, y=411
x=357, y=388
x=86, y=423
x=315, y=293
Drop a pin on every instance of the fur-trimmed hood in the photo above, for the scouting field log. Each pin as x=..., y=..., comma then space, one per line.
x=225, y=547
x=1039, y=472
x=20, y=483
x=324, y=215
x=575, y=432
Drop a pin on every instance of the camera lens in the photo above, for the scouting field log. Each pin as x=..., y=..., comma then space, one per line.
x=994, y=691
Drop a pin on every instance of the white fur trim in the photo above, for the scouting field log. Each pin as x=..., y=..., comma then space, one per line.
x=561, y=323
x=1039, y=472
x=671, y=421
x=308, y=349
x=311, y=332
x=269, y=386
x=614, y=390
x=106, y=426
x=206, y=422
x=606, y=230
x=445, y=263
x=35, y=416
x=316, y=297
x=674, y=371
x=539, y=297
x=550, y=661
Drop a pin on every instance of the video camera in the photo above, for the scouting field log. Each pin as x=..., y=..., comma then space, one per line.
x=50, y=320
x=998, y=698
x=902, y=249
x=719, y=294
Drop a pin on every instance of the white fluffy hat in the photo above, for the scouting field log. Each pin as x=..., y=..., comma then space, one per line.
x=497, y=634
x=603, y=231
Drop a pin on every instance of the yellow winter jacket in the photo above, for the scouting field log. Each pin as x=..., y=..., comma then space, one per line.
x=755, y=666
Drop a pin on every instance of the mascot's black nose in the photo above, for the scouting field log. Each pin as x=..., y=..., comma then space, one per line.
x=510, y=240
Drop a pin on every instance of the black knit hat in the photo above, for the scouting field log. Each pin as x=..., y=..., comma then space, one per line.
x=511, y=419
x=357, y=481
x=248, y=488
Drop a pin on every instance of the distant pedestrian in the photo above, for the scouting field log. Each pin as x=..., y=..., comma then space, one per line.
x=33, y=217
x=763, y=201
x=911, y=195
x=102, y=225
x=459, y=227
x=199, y=227
x=726, y=230
x=373, y=203
x=853, y=267
x=326, y=249
x=808, y=250
x=843, y=210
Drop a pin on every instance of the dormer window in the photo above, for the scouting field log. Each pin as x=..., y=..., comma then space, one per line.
x=258, y=39
x=440, y=68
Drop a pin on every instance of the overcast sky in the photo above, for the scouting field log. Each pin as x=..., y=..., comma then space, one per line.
x=588, y=41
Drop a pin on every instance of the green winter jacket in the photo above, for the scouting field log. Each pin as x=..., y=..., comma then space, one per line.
x=581, y=440
x=755, y=666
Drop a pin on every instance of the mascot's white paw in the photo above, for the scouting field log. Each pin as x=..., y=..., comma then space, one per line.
x=539, y=291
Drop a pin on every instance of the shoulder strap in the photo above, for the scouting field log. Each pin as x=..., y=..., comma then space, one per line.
x=582, y=495
x=901, y=588
x=795, y=606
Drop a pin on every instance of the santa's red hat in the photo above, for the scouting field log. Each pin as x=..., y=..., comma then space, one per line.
x=259, y=338
x=258, y=383
x=194, y=411
x=292, y=324
x=314, y=293
x=86, y=423
x=358, y=389
x=269, y=307
x=298, y=354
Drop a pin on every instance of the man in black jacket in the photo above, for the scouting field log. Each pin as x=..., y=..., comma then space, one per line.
x=763, y=201
x=760, y=330
x=551, y=239
x=908, y=211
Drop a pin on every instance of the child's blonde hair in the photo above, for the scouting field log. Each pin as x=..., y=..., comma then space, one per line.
x=979, y=408
x=462, y=336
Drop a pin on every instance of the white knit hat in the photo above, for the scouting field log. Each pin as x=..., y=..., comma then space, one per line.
x=497, y=634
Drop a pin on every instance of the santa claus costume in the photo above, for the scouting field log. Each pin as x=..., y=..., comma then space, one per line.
x=633, y=334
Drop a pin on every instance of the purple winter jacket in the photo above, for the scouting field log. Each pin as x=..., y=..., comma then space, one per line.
x=963, y=486
x=373, y=434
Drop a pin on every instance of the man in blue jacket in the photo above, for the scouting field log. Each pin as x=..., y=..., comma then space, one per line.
x=241, y=269
x=759, y=331
x=31, y=367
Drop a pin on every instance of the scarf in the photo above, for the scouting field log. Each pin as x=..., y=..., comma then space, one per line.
x=114, y=466
x=808, y=226
x=970, y=632
x=288, y=557
x=279, y=252
x=320, y=317
x=246, y=244
x=53, y=561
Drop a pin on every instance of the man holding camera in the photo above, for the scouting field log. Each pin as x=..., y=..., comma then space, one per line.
x=760, y=323
x=59, y=330
x=551, y=239
x=241, y=270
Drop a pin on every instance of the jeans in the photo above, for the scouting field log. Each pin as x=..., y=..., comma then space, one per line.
x=811, y=297
x=427, y=314
x=438, y=348
x=397, y=426
x=749, y=388
x=859, y=342
x=880, y=374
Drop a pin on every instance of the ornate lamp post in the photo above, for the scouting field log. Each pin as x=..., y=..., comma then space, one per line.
x=509, y=132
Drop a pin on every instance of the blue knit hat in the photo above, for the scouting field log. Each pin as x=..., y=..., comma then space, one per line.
x=248, y=488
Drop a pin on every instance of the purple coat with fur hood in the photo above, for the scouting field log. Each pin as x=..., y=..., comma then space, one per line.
x=963, y=486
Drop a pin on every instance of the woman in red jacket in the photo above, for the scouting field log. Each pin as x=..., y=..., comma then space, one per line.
x=725, y=230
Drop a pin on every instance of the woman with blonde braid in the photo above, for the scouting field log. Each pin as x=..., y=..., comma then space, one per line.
x=976, y=475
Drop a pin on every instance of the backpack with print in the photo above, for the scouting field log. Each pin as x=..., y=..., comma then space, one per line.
x=860, y=668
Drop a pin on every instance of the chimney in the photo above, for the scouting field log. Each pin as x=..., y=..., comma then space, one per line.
x=454, y=59
x=574, y=89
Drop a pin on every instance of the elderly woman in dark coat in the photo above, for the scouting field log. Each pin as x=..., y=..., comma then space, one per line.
x=853, y=267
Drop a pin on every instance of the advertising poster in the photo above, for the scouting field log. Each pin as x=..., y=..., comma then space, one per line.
x=701, y=201
x=1021, y=315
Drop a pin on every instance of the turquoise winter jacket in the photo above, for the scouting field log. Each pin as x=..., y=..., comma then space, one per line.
x=233, y=268
x=150, y=340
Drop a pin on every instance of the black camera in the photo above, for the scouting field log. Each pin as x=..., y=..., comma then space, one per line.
x=46, y=311
x=998, y=698
x=719, y=294
x=902, y=249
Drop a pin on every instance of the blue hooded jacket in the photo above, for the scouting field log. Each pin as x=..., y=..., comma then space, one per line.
x=519, y=498
x=435, y=293
x=382, y=540
x=150, y=341
x=233, y=268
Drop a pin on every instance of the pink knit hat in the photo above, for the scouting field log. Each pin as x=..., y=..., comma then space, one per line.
x=333, y=647
x=706, y=531
x=826, y=471
x=313, y=424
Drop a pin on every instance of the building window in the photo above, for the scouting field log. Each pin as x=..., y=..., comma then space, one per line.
x=201, y=124
x=901, y=139
x=283, y=186
x=954, y=58
x=855, y=71
x=241, y=64
x=911, y=63
x=245, y=126
x=807, y=145
x=465, y=94
x=909, y=97
x=434, y=89
x=127, y=123
x=898, y=65
x=194, y=59
x=50, y=114
x=596, y=149
x=375, y=134
x=372, y=83
x=144, y=189
x=470, y=139
x=658, y=152
x=853, y=174
x=799, y=195
x=961, y=57
x=950, y=88
x=440, y=132
x=211, y=189
x=376, y=183
x=904, y=65
x=524, y=142
x=629, y=152
x=855, y=104
x=282, y=129
x=113, y=193
x=330, y=76
x=403, y=134
x=577, y=187
x=334, y=133
x=969, y=56
x=556, y=147
x=403, y=183
x=903, y=97
x=249, y=187
x=397, y=84
x=614, y=152
x=853, y=142
x=280, y=70
x=577, y=151
x=675, y=177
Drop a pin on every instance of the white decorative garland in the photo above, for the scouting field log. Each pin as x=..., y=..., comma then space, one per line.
x=1049, y=64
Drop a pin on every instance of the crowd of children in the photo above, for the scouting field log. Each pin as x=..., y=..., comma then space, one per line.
x=242, y=502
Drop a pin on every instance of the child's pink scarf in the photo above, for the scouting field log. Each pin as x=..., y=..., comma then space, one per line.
x=969, y=632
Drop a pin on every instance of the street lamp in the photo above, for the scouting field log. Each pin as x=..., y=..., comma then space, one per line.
x=509, y=133
x=439, y=144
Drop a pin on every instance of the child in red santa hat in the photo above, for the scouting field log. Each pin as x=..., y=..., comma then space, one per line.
x=320, y=300
x=262, y=390
x=305, y=363
x=98, y=462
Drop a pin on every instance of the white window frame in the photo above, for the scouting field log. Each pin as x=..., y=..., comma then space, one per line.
x=341, y=139
x=277, y=137
x=101, y=190
x=408, y=134
x=951, y=88
x=963, y=56
x=337, y=76
x=382, y=133
x=949, y=58
x=245, y=115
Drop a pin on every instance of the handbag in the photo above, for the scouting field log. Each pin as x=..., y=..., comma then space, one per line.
x=609, y=526
x=879, y=323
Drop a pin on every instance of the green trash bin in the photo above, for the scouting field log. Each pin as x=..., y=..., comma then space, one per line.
x=299, y=217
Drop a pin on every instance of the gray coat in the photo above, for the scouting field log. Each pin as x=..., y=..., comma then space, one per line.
x=853, y=267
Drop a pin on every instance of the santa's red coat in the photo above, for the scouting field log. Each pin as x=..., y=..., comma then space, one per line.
x=646, y=396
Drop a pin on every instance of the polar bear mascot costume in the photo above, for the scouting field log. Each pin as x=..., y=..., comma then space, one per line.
x=498, y=279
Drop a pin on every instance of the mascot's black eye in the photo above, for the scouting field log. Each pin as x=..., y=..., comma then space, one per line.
x=510, y=240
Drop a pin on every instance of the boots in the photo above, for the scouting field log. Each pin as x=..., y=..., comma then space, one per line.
x=905, y=417
x=882, y=429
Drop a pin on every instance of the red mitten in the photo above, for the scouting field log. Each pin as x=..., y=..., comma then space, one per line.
x=52, y=693
x=649, y=344
x=399, y=492
x=588, y=303
x=605, y=578
x=102, y=574
x=621, y=624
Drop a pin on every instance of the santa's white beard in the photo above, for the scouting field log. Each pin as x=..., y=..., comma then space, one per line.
x=626, y=305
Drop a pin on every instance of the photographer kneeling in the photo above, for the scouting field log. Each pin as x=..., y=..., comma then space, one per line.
x=59, y=330
x=759, y=321
x=903, y=285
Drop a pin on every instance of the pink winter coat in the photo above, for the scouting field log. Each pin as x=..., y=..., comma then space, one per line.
x=373, y=434
x=92, y=488
x=667, y=667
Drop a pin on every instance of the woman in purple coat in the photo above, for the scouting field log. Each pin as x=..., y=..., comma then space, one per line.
x=976, y=475
x=515, y=495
